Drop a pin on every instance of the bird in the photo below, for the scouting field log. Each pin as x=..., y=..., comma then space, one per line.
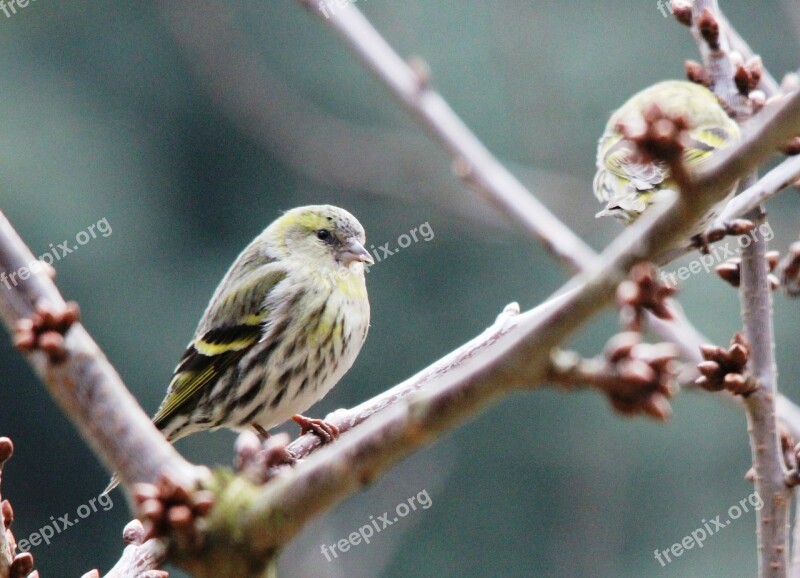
x=627, y=182
x=284, y=325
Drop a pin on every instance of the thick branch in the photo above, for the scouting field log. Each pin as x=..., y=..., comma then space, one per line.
x=85, y=385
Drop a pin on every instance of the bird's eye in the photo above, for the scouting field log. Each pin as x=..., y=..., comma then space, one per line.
x=324, y=235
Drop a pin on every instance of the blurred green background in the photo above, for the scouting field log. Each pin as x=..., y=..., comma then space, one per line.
x=190, y=126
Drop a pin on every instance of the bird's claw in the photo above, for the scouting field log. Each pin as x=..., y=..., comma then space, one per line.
x=325, y=431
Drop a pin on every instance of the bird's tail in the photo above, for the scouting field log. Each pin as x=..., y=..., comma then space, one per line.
x=114, y=482
x=111, y=485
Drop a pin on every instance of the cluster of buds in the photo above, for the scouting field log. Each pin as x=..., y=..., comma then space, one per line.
x=259, y=460
x=169, y=509
x=643, y=291
x=789, y=270
x=645, y=373
x=19, y=565
x=724, y=368
x=731, y=270
x=45, y=331
x=658, y=138
x=637, y=377
x=135, y=537
x=746, y=75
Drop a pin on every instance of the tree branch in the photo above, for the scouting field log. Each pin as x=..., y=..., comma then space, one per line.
x=497, y=187
x=518, y=357
x=778, y=179
x=84, y=383
x=756, y=302
x=410, y=83
x=756, y=306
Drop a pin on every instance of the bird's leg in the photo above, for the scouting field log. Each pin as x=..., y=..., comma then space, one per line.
x=262, y=433
x=326, y=431
x=701, y=242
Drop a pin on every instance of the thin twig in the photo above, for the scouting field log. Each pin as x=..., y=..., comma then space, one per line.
x=768, y=83
x=756, y=303
x=772, y=183
x=516, y=201
x=493, y=182
x=756, y=306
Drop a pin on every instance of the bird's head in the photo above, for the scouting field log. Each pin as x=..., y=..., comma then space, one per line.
x=322, y=236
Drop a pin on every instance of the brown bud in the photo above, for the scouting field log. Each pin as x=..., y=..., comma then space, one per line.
x=709, y=29
x=21, y=566
x=713, y=353
x=774, y=282
x=772, y=259
x=739, y=226
x=729, y=272
x=143, y=492
x=638, y=373
x=619, y=347
x=756, y=69
x=658, y=407
x=421, y=71
x=696, y=73
x=737, y=384
x=709, y=384
x=710, y=369
x=738, y=355
x=742, y=79
x=180, y=517
x=202, y=502
x=682, y=11
x=151, y=510
x=133, y=532
x=6, y=449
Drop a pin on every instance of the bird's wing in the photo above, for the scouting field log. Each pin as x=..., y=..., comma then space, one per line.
x=620, y=175
x=703, y=141
x=230, y=327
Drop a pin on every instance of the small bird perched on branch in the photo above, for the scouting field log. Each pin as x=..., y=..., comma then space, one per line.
x=284, y=325
x=628, y=180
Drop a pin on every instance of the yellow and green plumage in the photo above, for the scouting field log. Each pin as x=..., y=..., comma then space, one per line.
x=626, y=183
x=284, y=325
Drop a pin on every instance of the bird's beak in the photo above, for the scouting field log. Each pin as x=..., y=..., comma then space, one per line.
x=355, y=251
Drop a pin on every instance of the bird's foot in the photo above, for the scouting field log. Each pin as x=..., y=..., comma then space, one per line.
x=326, y=431
x=262, y=433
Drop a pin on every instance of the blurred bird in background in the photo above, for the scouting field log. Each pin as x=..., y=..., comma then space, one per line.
x=628, y=183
